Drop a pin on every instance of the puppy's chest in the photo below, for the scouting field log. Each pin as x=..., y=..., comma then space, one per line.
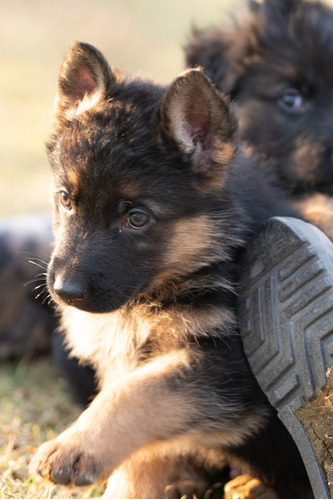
x=114, y=343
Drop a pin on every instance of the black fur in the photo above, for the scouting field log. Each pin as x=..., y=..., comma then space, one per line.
x=266, y=50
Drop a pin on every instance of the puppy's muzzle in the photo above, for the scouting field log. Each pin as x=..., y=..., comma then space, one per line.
x=70, y=291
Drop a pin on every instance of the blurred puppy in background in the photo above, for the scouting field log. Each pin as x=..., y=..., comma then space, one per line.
x=274, y=60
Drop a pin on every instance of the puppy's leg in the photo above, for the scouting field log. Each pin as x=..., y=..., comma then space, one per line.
x=156, y=472
x=142, y=408
x=163, y=400
x=141, y=476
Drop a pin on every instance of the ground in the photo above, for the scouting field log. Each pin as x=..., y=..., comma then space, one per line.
x=317, y=418
x=34, y=408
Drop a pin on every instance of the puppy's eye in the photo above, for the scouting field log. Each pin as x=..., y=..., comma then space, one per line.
x=136, y=219
x=65, y=200
x=292, y=100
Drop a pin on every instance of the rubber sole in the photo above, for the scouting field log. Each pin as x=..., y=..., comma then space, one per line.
x=286, y=321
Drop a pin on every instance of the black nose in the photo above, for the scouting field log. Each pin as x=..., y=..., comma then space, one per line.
x=69, y=291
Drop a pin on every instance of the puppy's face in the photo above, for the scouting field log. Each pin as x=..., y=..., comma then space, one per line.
x=276, y=63
x=136, y=175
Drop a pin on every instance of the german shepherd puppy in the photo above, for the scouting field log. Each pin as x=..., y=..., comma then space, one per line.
x=274, y=60
x=153, y=202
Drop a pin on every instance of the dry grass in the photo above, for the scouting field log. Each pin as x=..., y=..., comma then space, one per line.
x=34, y=408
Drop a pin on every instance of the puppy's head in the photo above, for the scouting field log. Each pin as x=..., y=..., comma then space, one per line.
x=137, y=178
x=275, y=61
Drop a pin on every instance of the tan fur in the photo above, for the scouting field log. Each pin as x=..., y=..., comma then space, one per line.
x=156, y=472
x=89, y=102
x=318, y=209
x=189, y=241
x=224, y=153
x=192, y=244
x=136, y=412
x=144, y=473
x=119, y=348
x=246, y=486
x=306, y=159
x=139, y=410
x=112, y=341
x=73, y=178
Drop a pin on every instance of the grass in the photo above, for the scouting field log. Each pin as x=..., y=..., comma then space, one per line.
x=34, y=408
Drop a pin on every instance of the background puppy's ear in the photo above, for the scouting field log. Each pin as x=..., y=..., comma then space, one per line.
x=225, y=52
x=210, y=49
x=197, y=118
x=285, y=6
x=85, y=78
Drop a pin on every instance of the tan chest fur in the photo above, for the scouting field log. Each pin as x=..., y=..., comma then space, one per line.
x=113, y=342
x=108, y=341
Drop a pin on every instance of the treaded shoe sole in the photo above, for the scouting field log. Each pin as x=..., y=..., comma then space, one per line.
x=286, y=322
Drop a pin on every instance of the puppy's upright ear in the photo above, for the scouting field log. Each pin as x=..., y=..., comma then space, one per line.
x=85, y=78
x=200, y=123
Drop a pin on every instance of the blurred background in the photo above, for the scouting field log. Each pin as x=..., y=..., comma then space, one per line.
x=141, y=36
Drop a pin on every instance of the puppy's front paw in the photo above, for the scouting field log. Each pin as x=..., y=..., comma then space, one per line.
x=66, y=462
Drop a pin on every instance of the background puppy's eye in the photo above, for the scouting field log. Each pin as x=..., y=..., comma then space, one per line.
x=292, y=100
x=65, y=200
x=137, y=219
